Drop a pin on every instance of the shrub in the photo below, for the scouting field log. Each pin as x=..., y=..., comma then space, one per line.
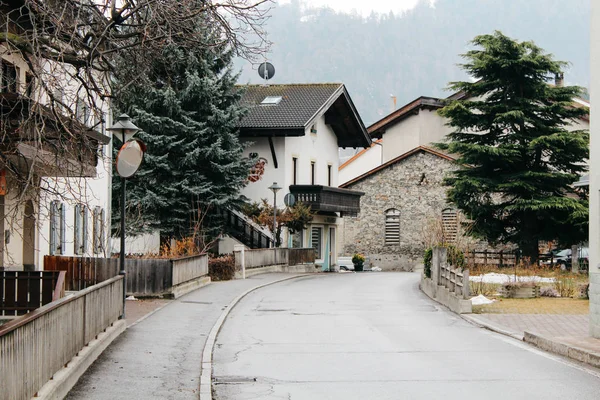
x=565, y=286
x=427, y=261
x=456, y=257
x=548, y=291
x=221, y=268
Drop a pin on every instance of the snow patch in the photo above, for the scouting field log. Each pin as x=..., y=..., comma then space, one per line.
x=494, y=277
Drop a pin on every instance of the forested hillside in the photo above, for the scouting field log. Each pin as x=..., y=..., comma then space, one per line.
x=414, y=53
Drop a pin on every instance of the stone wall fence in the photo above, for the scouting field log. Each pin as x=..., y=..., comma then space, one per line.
x=448, y=285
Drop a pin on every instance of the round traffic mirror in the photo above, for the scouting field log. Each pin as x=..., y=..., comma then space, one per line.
x=129, y=158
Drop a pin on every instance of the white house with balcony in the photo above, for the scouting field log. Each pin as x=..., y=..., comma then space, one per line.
x=55, y=170
x=296, y=131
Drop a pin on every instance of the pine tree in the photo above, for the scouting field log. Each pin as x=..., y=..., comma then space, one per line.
x=520, y=160
x=187, y=106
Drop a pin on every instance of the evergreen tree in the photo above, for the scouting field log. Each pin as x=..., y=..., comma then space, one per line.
x=187, y=106
x=520, y=160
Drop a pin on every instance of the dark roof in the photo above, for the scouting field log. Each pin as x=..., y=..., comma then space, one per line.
x=396, y=160
x=300, y=106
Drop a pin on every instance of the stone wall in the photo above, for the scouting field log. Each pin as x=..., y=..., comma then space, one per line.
x=413, y=186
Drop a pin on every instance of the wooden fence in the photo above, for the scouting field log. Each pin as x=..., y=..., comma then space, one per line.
x=145, y=276
x=24, y=291
x=82, y=272
x=447, y=275
x=280, y=256
x=39, y=344
x=487, y=257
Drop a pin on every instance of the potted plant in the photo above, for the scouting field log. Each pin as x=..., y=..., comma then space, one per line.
x=358, y=260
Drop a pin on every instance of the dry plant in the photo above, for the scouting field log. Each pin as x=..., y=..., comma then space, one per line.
x=435, y=233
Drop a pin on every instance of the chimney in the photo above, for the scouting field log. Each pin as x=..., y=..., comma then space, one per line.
x=559, y=79
x=393, y=102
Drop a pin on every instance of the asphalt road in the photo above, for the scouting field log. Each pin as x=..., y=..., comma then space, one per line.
x=376, y=336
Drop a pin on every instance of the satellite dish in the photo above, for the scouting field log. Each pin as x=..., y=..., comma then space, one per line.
x=129, y=158
x=289, y=200
x=266, y=70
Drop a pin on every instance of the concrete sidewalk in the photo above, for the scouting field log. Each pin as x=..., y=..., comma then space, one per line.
x=566, y=335
x=159, y=357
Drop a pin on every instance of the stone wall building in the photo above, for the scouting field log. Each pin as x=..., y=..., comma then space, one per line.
x=401, y=197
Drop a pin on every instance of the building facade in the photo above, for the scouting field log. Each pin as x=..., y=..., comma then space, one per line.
x=403, y=198
x=295, y=131
x=594, y=177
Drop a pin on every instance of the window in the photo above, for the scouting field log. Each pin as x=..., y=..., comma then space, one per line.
x=9, y=80
x=295, y=170
x=81, y=229
x=392, y=227
x=98, y=230
x=57, y=228
x=449, y=225
x=82, y=112
x=328, y=174
x=316, y=237
x=312, y=172
x=271, y=100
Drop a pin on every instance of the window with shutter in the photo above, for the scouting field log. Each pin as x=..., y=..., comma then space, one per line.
x=54, y=227
x=316, y=239
x=450, y=225
x=80, y=229
x=63, y=229
x=392, y=227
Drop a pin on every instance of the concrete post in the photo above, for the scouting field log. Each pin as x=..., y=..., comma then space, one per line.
x=439, y=257
x=466, y=287
x=241, y=248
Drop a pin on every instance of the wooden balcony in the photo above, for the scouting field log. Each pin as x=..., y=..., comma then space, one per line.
x=54, y=145
x=328, y=199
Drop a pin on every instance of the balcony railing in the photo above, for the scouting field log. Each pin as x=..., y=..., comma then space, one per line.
x=327, y=198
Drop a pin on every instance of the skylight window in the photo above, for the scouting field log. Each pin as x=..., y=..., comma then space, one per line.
x=271, y=100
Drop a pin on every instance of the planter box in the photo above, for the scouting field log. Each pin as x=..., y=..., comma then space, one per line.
x=522, y=292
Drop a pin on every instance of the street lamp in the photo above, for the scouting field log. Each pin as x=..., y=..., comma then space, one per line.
x=275, y=188
x=124, y=129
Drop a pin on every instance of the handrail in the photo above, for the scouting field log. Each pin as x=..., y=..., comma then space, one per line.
x=25, y=319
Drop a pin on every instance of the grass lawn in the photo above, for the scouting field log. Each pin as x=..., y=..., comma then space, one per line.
x=541, y=305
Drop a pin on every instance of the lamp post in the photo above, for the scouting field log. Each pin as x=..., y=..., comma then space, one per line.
x=123, y=129
x=275, y=188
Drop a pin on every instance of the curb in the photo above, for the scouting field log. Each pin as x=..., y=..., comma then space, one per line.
x=573, y=352
x=206, y=366
x=491, y=327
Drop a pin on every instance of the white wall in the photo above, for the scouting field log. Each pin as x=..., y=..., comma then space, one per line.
x=366, y=160
x=594, y=242
x=320, y=147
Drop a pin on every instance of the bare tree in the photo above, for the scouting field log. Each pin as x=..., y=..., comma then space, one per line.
x=60, y=60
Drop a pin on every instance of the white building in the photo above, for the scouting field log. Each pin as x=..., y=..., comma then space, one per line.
x=296, y=131
x=594, y=242
x=65, y=207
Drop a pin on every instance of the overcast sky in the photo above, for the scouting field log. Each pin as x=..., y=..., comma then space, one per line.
x=363, y=7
